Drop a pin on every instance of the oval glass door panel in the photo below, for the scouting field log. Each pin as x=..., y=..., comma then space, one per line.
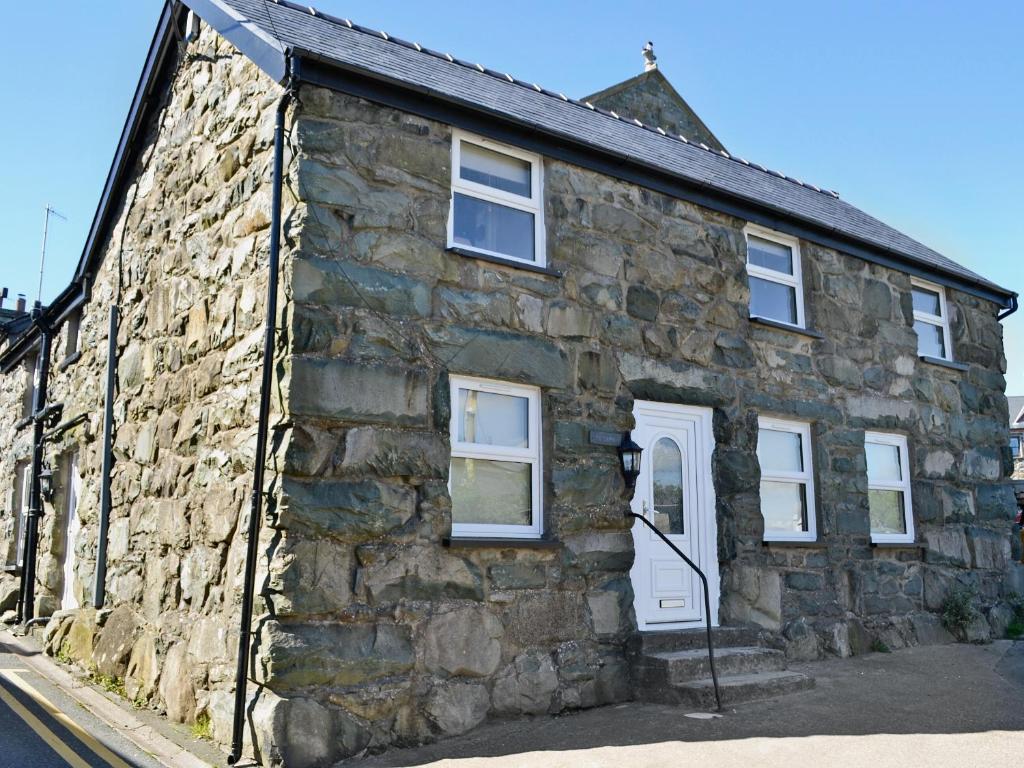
x=667, y=493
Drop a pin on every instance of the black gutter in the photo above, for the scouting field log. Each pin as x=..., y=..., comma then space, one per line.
x=99, y=592
x=315, y=69
x=262, y=428
x=1014, y=306
x=35, y=503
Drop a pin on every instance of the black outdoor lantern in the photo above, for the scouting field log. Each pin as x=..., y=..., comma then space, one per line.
x=629, y=458
x=46, y=483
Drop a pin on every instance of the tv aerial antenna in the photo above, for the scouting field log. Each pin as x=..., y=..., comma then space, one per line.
x=50, y=211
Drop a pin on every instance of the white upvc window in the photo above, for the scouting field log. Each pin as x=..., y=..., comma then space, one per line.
x=890, y=506
x=787, y=480
x=21, y=527
x=495, y=479
x=497, y=206
x=73, y=343
x=775, y=276
x=931, y=320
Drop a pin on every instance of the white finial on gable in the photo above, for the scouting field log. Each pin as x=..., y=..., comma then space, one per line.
x=650, y=60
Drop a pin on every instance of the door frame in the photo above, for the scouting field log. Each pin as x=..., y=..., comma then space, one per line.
x=708, y=533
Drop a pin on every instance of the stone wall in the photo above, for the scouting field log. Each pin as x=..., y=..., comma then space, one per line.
x=186, y=265
x=379, y=631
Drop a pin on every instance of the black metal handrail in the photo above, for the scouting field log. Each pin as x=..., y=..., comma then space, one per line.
x=707, y=600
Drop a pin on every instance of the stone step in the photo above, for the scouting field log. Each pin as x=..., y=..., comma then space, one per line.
x=736, y=689
x=693, y=639
x=676, y=667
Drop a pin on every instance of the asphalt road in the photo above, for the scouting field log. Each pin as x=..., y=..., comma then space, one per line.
x=41, y=727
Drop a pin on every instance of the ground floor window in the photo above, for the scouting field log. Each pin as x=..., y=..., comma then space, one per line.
x=889, y=502
x=787, y=480
x=495, y=478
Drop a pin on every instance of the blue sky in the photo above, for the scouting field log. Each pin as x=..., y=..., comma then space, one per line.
x=912, y=111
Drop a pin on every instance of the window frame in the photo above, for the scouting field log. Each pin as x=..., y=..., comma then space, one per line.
x=942, y=321
x=795, y=281
x=73, y=336
x=534, y=205
x=532, y=454
x=902, y=444
x=805, y=478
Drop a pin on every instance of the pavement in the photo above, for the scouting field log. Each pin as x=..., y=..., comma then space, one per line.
x=51, y=718
x=933, y=706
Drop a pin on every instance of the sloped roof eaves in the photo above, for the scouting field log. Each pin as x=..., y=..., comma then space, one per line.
x=1016, y=407
x=383, y=59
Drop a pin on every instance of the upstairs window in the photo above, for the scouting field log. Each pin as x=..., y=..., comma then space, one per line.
x=787, y=480
x=775, y=277
x=889, y=503
x=1017, y=446
x=496, y=205
x=931, y=320
x=72, y=346
x=29, y=392
x=495, y=478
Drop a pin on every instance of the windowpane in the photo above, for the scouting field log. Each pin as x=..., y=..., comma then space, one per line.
x=487, y=418
x=491, y=492
x=886, y=511
x=929, y=339
x=780, y=451
x=667, y=467
x=773, y=300
x=770, y=255
x=493, y=227
x=485, y=166
x=784, y=506
x=927, y=301
x=883, y=463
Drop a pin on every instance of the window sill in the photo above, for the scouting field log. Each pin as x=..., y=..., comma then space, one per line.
x=70, y=360
x=945, y=363
x=775, y=324
x=504, y=262
x=795, y=543
x=897, y=545
x=484, y=543
x=14, y=570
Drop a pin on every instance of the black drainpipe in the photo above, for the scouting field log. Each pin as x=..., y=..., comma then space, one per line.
x=35, y=502
x=256, y=509
x=99, y=592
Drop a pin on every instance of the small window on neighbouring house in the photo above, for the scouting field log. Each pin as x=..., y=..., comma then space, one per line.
x=891, y=510
x=495, y=479
x=71, y=345
x=776, y=282
x=496, y=205
x=787, y=480
x=1016, y=446
x=931, y=321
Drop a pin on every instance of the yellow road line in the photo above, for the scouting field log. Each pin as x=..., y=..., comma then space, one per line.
x=42, y=731
x=86, y=738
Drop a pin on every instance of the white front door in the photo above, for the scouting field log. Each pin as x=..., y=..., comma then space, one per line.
x=675, y=492
x=71, y=530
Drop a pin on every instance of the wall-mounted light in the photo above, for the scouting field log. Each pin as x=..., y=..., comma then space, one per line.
x=629, y=459
x=46, y=483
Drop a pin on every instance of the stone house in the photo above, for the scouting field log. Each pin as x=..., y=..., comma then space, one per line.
x=474, y=287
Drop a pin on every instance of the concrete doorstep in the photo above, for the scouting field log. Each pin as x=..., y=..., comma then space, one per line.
x=117, y=715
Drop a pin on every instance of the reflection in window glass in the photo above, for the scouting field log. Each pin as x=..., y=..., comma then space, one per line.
x=765, y=253
x=929, y=339
x=494, y=492
x=927, y=301
x=774, y=301
x=887, y=512
x=883, y=463
x=494, y=169
x=784, y=506
x=488, y=418
x=667, y=472
x=779, y=451
x=493, y=227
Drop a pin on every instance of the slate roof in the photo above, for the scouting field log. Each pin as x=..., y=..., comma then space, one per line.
x=381, y=56
x=1016, y=411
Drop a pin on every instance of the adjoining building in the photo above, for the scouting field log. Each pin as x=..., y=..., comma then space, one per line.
x=481, y=286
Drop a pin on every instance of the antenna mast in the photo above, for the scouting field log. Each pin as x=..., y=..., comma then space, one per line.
x=42, y=261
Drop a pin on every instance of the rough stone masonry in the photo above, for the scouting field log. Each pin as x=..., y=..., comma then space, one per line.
x=369, y=630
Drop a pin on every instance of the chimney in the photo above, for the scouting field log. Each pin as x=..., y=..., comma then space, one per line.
x=20, y=306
